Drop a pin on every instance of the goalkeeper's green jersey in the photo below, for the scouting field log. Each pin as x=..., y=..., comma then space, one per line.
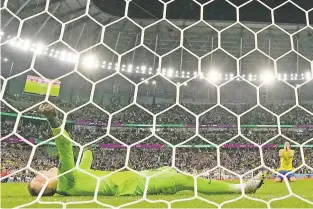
x=76, y=182
x=79, y=182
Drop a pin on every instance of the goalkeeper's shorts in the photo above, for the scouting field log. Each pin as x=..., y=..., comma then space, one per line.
x=283, y=173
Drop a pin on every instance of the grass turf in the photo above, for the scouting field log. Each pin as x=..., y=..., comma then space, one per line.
x=15, y=194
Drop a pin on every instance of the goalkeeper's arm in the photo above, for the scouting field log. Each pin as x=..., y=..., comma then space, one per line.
x=63, y=144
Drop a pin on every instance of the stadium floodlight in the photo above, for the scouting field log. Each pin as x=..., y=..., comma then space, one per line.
x=39, y=48
x=142, y=79
x=307, y=76
x=279, y=76
x=110, y=63
x=195, y=73
x=130, y=66
x=150, y=68
x=137, y=68
x=268, y=77
x=213, y=76
x=170, y=73
x=188, y=72
x=1, y=33
x=243, y=75
x=51, y=54
x=150, y=73
x=89, y=61
x=183, y=72
x=185, y=84
x=143, y=67
x=188, y=76
x=130, y=70
x=123, y=66
x=154, y=82
x=26, y=45
x=104, y=62
x=135, y=71
x=146, y=82
x=5, y=59
x=63, y=55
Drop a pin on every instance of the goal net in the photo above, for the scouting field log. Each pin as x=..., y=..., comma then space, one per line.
x=209, y=88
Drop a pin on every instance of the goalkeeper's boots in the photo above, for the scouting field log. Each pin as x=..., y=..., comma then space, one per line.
x=255, y=183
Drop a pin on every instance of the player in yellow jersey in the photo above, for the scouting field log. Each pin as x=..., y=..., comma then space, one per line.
x=286, y=158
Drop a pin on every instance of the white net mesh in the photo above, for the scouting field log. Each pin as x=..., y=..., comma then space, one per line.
x=220, y=81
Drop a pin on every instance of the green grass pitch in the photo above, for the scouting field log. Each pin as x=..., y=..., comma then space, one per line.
x=15, y=194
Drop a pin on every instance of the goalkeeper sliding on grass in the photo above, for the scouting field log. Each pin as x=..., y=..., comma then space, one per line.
x=120, y=183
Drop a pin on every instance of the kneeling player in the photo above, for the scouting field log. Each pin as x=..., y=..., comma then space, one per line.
x=119, y=183
x=286, y=158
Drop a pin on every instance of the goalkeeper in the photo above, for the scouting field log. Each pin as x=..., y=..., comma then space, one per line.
x=120, y=183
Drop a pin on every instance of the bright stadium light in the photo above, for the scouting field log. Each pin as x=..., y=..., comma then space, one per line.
x=213, y=76
x=39, y=48
x=130, y=70
x=146, y=82
x=268, y=77
x=154, y=82
x=170, y=73
x=63, y=55
x=142, y=79
x=185, y=84
x=307, y=76
x=1, y=33
x=143, y=67
x=89, y=61
x=26, y=45
x=5, y=59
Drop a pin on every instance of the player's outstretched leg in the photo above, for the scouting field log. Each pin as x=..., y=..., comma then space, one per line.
x=175, y=182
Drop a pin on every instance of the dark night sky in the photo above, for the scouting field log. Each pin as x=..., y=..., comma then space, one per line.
x=217, y=10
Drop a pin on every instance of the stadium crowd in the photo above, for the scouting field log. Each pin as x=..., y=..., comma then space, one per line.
x=192, y=159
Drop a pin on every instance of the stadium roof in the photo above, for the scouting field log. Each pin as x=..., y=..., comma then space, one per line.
x=121, y=36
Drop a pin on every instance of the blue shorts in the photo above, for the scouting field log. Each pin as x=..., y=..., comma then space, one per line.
x=284, y=172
